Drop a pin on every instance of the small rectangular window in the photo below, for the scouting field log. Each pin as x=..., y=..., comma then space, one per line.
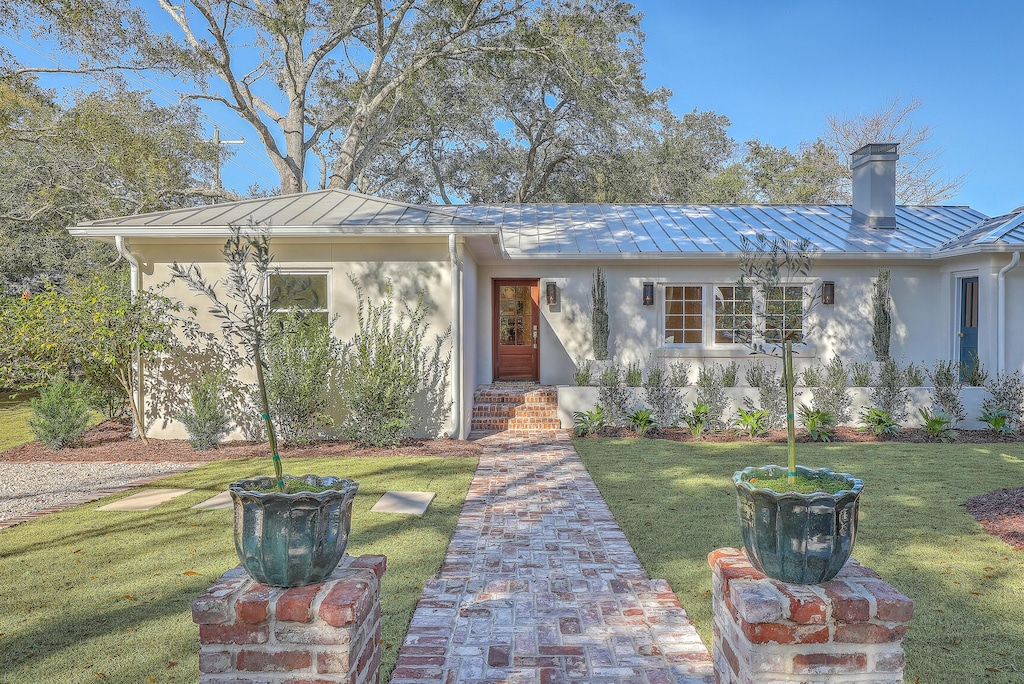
x=684, y=314
x=304, y=291
x=734, y=309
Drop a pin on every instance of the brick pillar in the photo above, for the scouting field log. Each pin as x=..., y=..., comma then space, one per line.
x=849, y=629
x=326, y=632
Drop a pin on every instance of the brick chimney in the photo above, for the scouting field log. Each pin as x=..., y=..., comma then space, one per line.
x=874, y=185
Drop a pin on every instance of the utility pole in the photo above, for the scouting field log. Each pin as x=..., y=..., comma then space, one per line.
x=216, y=161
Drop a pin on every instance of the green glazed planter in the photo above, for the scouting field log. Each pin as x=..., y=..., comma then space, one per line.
x=291, y=540
x=799, y=538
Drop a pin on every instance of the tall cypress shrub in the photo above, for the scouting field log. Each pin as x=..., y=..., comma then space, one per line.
x=880, y=305
x=599, y=321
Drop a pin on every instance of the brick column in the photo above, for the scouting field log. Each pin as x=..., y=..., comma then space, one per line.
x=849, y=629
x=326, y=632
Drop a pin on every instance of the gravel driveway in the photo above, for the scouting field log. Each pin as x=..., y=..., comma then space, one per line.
x=28, y=487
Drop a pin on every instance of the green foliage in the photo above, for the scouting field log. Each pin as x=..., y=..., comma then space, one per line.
x=679, y=373
x=914, y=375
x=729, y=374
x=634, y=374
x=390, y=370
x=588, y=422
x=832, y=395
x=599, y=317
x=946, y=388
x=879, y=422
x=1006, y=391
x=641, y=422
x=820, y=423
x=613, y=395
x=1000, y=421
x=697, y=419
x=302, y=362
x=812, y=376
x=711, y=395
x=206, y=418
x=938, y=424
x=662, y=396
x=759, y=374
x=973, y=372
x=60, y=414
x=582, y=375
x=753, y=422
x=889, y=393
x=862, y=374
x=881, y=315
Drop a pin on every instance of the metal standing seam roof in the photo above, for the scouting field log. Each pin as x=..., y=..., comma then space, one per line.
x=1004, y=229
x=545, y=230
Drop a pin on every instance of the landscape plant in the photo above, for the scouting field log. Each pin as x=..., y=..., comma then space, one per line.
x=879, y=422
x=634, y=374
x=60, y=414
x=938, y=425
x=914, y=375
x=206, y=418
x=832, y=394
x=1006, y=391
x=661, y=395
x=613, y=395
x=862, y=374
x=641, y=421
x=946, y=388
x=1000, y=421
x=973, y=372
x=599, y=315
x=582, y=374
x=711, y=395
x=771, y=394
x=889, y=394
x=730, y=373
x=820, y=423
x=753, y=422
x=696, y=419
x=881, y=315
x=679, y=373
x=588, y=422
x=390, y=371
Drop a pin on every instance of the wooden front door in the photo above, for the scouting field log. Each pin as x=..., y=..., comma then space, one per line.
x=516, y=324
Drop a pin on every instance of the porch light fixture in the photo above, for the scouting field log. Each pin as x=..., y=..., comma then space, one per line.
x=828, y=293
x=552, y=293
x=648, y=294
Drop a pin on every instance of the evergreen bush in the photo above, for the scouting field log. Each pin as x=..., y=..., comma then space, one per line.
x=889, y=395
x=599, y=319
x=679, y=373
x=832, y=395
x=206, y=419
x=634, y=375
x=862, y=374
x=771, y=396
x=582, y=375
x=613, y=395
x=711, y=394
x=946, y=388
x=1006, y=392
x=730, y=372
x=60, y=414
x=662, y=396
x=881, y=331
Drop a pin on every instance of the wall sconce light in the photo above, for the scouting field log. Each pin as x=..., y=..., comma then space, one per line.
x=648, y=294
x=552, y=293
x=828, y=293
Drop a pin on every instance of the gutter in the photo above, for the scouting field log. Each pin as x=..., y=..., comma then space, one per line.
x=456, y=370
x=133, y=279
x=1001, y=313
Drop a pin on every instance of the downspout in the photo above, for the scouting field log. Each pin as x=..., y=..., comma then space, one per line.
x=133, y=278
x=1001, y=320
x=456, y=370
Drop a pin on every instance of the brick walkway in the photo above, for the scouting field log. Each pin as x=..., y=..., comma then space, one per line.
x=540, y=585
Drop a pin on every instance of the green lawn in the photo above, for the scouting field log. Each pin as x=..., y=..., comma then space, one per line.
x=88, y=596
x=676, y=503
x=14, y=412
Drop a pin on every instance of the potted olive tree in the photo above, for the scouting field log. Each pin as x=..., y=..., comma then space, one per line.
x=798, y=524
x=289, y=531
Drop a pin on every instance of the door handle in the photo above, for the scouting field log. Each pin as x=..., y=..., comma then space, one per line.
x=534, y=337
x=960, y=334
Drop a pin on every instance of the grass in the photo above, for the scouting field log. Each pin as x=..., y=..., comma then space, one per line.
x=91, y=596
x=676, y=503
x=14, y=413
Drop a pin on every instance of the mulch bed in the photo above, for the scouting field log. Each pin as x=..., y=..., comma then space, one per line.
x=110, y=441
x=1001, y=513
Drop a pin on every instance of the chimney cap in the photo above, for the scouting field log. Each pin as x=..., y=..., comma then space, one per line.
x=873, y=149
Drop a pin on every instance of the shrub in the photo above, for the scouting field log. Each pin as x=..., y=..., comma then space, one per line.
x=946, y=387
x=832, y=394
x=729, y=373
x=663, y=398
x=914, y=375
x=679, y=373
x=696, y=419
x=889, y=394
x=711, y=393
x=999, y=421
x=753, y=422
x=599, y=319
x=973, y=372
x=613, y=395
x=588, y=422
x=758, y=374
x=60, y=414
x=862, y=374
x=641, y=422
x=1006, y=391
x=881, y=314
x=302, y=361
x=771, y=394
x=206, y=419
x=879, y=422
x=581, y=376
x=634, y=376
x=812, y=376
x=389, y=370
x=938, y=425
x=820, y=423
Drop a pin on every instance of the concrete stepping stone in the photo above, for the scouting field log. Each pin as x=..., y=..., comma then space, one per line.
x=216, y=503
x=406, y=503
x=144, y=500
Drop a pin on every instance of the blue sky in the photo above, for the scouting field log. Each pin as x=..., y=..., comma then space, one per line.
x=777, y=68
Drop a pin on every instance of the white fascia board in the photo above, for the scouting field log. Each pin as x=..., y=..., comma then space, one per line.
x=179, y=232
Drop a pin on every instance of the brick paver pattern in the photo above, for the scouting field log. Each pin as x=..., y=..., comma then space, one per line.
x=540, y=585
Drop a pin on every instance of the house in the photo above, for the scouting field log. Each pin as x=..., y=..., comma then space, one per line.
x=514, y=281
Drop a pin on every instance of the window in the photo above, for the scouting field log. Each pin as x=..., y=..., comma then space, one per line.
x=784, y=318
x=734, y=307
x=684, y=314
x=306, y=291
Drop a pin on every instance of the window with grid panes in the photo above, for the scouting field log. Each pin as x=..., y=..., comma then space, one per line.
x=734, y=309
x=684, y=314
x=784, y=318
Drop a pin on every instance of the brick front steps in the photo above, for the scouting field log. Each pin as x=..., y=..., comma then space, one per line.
x=516, y=408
